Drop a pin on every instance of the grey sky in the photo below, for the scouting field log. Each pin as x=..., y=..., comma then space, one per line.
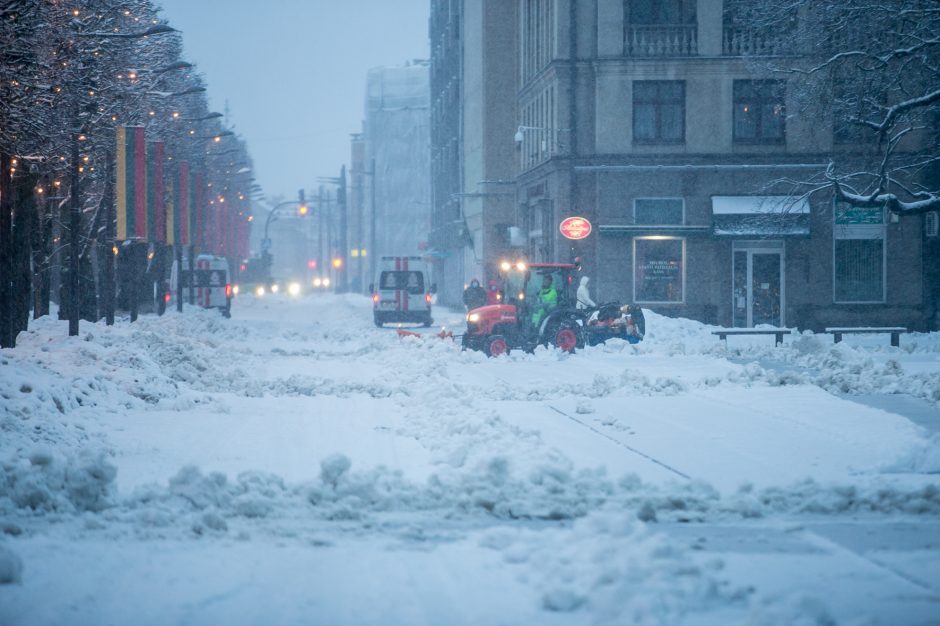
x=294, y=71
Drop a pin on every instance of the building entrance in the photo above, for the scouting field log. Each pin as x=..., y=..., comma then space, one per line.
x=758, y=283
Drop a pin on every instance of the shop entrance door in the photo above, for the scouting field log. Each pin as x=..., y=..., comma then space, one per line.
x=758, y=285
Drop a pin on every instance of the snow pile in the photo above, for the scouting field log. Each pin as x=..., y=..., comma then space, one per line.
x=11, y=567
x=46, y=482
x=924, y=459
x=614, y=567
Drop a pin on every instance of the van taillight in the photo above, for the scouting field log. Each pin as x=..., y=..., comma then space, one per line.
x=427, y=298
x=228, y=291
x=166, y=297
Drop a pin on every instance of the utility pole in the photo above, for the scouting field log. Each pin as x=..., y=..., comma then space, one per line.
x=321, y=218
x=372, y=249
x=342, y=283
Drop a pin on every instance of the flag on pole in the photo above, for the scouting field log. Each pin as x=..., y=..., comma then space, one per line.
x=181, y=202
x=131, y=183
x=156, y=202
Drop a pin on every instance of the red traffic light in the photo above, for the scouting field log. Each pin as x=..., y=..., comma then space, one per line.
x=312, y=264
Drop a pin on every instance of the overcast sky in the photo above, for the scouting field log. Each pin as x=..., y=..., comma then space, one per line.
x=293, y=73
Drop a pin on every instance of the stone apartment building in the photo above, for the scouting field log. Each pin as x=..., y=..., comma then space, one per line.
x=391, y=166
x=652, y=120
x=474, y=45
x=655, y=121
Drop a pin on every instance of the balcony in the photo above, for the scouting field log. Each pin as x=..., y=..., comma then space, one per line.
x=742, y=42
x=661, y=40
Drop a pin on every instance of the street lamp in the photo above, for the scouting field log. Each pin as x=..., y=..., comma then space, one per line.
x=75, y=205
x=159, y=29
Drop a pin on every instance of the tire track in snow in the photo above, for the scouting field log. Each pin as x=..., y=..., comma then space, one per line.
x=652, y=459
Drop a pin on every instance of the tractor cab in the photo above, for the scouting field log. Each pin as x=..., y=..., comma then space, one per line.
x=537, y=308
x=524, y=283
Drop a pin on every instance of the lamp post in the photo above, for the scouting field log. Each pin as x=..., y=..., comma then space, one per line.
x=361, y=223
x=78, y=135
x=266, y=242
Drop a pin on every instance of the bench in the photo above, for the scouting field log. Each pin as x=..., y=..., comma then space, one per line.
x=895, y=332
x=778, y=333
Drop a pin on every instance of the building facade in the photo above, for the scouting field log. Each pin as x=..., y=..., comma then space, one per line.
x=395, y=141
x=654, y=122
x=473, y=122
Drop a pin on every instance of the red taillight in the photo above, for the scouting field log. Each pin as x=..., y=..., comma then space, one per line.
x=427, y=298
x=375, y=298
x=228, y=291
x=166, y=298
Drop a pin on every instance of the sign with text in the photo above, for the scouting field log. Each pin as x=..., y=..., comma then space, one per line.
x=575, y=227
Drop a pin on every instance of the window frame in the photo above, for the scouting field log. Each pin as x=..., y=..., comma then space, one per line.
x=658, y=103
x=758, y=102
x=865, y=232
x=680, y=223
x=686, y=9
x=682, y=274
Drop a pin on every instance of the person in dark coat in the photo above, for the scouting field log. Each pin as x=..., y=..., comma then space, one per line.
x=493, y=296
x=474, y=296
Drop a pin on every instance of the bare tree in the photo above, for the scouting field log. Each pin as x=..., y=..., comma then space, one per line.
x=873, y=69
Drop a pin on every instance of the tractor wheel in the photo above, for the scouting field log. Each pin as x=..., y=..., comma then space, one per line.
x=378, y=321
x=426, y=322
x=566, y=338
x=496, y=345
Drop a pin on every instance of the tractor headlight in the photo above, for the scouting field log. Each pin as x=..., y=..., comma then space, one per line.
x=473, y=318
x=259, y=291
x=293, y=289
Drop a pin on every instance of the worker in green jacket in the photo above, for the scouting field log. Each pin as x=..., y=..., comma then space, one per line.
x=548, y=300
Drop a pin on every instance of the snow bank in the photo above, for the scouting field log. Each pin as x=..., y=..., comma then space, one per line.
x=11, y=567
x=614, y=567
x=46, y=482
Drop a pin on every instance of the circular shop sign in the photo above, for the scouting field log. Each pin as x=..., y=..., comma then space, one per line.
x=575, y=228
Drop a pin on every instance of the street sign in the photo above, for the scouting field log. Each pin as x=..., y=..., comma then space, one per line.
x=575, y=227
x=265, y=245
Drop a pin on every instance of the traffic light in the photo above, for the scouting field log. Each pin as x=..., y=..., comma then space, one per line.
x=302, y=208
x=337, y=263
x=312, y=264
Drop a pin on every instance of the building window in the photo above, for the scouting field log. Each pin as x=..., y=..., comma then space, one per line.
x=858, y=254
x=659, y=111
x=658, y=270
x=932, y=223
x=759, y=111
x=660, y=12
x=659, y=211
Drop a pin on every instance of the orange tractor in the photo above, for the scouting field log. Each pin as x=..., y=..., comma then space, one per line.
x=538, y=307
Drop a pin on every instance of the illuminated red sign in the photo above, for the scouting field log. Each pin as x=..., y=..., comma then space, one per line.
x=575, y=228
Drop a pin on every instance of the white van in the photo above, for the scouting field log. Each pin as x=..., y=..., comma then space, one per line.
x=403, y=291
x=211, y=283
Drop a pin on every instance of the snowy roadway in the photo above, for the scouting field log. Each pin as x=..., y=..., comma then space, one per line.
x=296, y=465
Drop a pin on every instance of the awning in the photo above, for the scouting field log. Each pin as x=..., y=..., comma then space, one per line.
x=760, y=216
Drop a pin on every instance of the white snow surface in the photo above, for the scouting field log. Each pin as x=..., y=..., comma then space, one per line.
x=296, y=465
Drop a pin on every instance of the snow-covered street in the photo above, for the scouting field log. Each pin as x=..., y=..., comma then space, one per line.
x=297, y=465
